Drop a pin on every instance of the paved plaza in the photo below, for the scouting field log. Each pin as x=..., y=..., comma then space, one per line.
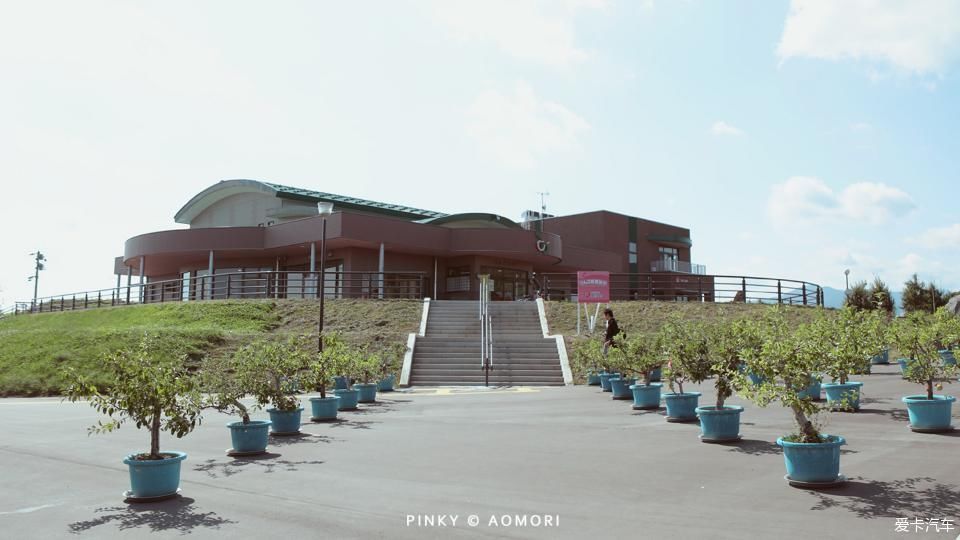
x=570, y=460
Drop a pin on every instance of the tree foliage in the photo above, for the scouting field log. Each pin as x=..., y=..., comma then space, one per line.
x=146, y=385
x=920, y=336
x=638, y=354
x=918, y=296
x=688, y=354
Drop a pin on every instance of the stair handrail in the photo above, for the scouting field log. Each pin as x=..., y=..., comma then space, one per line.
x=486, y=329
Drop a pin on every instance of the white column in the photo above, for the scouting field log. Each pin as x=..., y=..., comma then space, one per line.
x=381, y=270
x=142, y=262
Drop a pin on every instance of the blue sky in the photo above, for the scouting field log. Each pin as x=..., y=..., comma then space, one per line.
x=794, y=139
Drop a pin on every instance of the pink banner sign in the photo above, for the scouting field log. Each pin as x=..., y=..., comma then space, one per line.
x=593, y=287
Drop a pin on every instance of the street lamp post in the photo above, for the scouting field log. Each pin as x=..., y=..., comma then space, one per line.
x=846, y=276
x=324, y=209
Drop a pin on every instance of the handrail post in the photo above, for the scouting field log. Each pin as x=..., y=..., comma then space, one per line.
x=228, y=285
x=743, y=288
x=779, y=293
x=804, y=293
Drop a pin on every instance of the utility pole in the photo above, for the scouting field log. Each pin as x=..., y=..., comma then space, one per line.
x=38, y=259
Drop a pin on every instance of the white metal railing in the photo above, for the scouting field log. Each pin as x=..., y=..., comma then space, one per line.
x=671, y=265
x=486, y=328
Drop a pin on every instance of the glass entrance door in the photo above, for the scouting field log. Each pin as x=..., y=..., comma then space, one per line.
x=508, y=284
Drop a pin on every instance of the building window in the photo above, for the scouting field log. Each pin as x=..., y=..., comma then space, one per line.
x=632, y=252
x=669, y=254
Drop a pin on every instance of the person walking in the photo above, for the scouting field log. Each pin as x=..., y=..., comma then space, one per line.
x=612, y=330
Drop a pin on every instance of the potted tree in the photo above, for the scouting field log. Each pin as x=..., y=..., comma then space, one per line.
x=227, y=383
x=348, y=395
x=587, y=353
x=848, y=340
x=642, y=355
x=919, y=335
x=786, y=359
x=686, y=346
x=391, y=360
x=365, y=368
x=721, y=422
x=621, y=361
x=328, y=362
x=152, y=388
x=272, y=374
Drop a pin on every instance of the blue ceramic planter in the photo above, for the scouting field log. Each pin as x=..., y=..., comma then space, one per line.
x=813, y=462
x=843, y=396
x=719, y=425
x=646, y=397
x=348, y=399
x=904, y=362
x=812, y=391
x=605, y=380
x=154, y=478
x=323, y=409
x=386, y=384
x=882, y=358
x=681, y=407
x=621, y=387
x=948, y=358
x=285, y=422
x=367, y=392
x=249, y=438
x=656, y=375
x=593, y=379
x=340, y=383
x=930, y=415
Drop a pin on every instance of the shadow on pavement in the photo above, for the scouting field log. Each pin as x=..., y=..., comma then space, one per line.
x=304, y=437
x=173, y=515
x=355, y=424
x=898, y=415
x=268, y=463
x=920, y=497
x=754, y=447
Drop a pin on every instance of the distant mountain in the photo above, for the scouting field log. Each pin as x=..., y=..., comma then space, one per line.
x=833, y=298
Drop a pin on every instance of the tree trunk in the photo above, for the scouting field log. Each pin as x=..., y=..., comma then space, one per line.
x=323, y=390
x=680, y=386
x=720, y=399
x=930, y=389
x=155, y=435
x=807, y=431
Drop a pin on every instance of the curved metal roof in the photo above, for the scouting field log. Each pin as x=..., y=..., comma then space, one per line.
x=226, y=188
x=453, y=219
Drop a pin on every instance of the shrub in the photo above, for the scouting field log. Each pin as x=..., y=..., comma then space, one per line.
x=639, y=354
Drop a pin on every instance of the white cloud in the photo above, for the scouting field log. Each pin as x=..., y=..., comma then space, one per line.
x=940, y=237
x=807, y=199
x=518, y=128
x=917, y=36
x=722, y=128
x=531, y=30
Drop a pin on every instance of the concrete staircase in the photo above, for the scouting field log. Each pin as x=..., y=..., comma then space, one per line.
x=449, y=353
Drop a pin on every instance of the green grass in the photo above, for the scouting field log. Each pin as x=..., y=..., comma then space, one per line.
x=36, y=350
x=646, y=317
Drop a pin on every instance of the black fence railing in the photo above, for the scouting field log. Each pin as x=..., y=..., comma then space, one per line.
x=691, y=287
x=237, y=285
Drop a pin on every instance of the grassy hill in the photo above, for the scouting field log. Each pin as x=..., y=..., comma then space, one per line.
x=35, y=350
x=647, y=317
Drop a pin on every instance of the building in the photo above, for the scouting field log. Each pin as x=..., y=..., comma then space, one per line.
x=252, y=238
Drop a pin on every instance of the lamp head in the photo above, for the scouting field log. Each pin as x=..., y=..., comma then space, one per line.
x=324, y=208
